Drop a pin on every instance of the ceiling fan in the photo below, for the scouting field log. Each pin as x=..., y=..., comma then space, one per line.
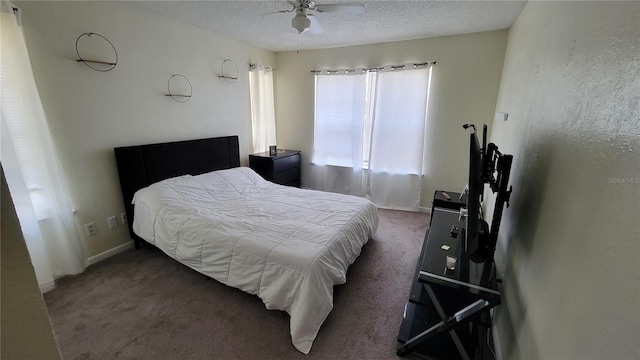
x=305, y=20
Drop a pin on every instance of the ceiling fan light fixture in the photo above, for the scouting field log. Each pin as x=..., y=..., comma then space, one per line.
x=301, y=22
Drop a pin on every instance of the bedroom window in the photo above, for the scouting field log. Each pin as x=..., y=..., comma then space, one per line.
x=369, y=133
x=263, y=119
x=339, y=120
x=30, y=163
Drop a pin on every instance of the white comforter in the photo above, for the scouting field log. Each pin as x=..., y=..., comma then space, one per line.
x=289, y=246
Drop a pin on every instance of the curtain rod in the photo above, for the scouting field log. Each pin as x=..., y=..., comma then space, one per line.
x=382, y=68
x=259, y=67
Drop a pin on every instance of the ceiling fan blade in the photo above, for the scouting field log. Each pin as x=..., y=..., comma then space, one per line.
x=316, y=27
x=351, y=9
x=293, y=8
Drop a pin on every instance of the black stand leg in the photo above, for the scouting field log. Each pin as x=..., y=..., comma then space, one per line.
x=448, y=324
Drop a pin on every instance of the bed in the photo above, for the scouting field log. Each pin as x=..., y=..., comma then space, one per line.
x=288, y=246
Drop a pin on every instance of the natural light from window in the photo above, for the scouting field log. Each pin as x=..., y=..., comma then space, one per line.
x=369, y=131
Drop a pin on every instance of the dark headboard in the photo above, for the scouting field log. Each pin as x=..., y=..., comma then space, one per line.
x=142, y=165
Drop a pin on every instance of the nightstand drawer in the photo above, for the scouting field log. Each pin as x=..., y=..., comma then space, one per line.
x=286, y=163
x=287, y=176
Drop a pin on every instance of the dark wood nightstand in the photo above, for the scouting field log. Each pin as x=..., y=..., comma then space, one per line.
x=283, y=168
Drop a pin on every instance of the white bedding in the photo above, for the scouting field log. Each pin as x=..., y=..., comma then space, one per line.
x=287, y=245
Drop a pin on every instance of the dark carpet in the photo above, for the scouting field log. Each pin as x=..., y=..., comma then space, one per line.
x=141, y=304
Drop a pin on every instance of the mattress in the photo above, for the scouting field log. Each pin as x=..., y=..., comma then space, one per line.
x=288, y=246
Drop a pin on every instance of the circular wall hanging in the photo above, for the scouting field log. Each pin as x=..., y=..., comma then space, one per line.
x=96, y=51
x=229, y=71
x=179, y=88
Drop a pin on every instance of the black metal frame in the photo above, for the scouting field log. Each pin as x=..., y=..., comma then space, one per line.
x=496, y=170
x=487, y=298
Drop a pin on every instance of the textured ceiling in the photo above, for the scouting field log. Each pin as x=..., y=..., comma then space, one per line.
x=259, y=23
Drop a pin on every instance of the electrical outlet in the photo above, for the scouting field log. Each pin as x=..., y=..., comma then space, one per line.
x=90, y=228
x=112, y=222
x=123, y=218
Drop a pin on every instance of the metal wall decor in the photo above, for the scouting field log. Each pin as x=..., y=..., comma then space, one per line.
x=90, y=41
x=229, y=71
x=179, y=88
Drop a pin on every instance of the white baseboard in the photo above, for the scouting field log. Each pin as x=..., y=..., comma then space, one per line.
x=47, y=287
x=118, y=249
x=425, y=209
x=90, y=261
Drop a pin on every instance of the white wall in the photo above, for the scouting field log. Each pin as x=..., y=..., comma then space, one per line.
x=90, y=112
x=570, y=242
x=465, y=87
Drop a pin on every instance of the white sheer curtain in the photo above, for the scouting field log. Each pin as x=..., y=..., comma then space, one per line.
x=397, y=144
x=370, y=132
x=338, y=141
x=31, y=166
x=263, y=119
